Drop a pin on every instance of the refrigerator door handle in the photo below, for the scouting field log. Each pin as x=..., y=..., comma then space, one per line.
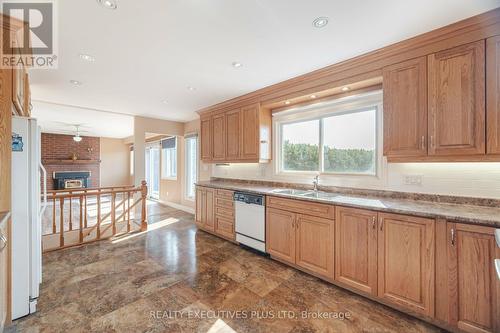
x=44, y=172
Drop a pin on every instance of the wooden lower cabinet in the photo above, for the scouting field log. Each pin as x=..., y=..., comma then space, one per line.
x=314, y=244
x=356, y=249
x=473, y=287
x=280, y=234
x=205, y=217
x=406, y=262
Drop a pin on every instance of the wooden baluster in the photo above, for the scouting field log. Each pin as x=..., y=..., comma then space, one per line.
x=99, y=214
x=144, y=193
x=123, y=206
x=54, y=228
x=81, y=219
x=70, y=212
x=85, y=193
x=61, y=230
x=128, y=211
x=113, y=212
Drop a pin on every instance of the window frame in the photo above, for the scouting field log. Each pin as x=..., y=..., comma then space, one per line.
x=186, y=158
x=176, y=154
x=327, y=109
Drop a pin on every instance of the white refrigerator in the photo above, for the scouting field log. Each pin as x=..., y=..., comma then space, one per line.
x=27, y=210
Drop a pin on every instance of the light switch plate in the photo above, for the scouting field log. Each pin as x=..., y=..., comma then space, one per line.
x=412, y=180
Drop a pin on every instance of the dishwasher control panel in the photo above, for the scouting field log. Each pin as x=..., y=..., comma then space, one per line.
x=248, y=198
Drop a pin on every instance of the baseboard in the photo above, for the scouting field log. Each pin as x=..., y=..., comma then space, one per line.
x=177, y=206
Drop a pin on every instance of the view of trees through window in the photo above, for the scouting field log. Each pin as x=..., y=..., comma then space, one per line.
x=349, y=144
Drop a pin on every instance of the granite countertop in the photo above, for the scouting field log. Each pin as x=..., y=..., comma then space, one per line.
x=471, y=214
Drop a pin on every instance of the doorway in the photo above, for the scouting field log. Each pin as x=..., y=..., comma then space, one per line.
x=153, y=170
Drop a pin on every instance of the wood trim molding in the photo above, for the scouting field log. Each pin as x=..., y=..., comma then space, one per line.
x=369, y=65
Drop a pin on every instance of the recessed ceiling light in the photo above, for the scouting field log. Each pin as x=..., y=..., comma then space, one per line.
x=191, y=88
x=320, y=22
x=110, y=4
x=75, y=82
x=346, y=89
x=237, y=64
x=313, y=96
x=287, y=102
x=86, y=57
x=164, y=101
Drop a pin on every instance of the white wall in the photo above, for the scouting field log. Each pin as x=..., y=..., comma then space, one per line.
x=115, y=162
x=459, y=179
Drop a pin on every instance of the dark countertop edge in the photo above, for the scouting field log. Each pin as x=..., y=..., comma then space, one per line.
x=448, y=217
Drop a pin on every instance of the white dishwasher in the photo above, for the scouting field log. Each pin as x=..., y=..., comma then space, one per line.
x=250, y=221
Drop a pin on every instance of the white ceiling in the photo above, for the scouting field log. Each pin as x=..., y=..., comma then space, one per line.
x=152, y=50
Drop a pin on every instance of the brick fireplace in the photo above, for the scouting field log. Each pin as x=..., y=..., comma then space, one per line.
x=57, y=153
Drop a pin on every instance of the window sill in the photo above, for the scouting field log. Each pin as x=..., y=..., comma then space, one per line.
x=168, y=178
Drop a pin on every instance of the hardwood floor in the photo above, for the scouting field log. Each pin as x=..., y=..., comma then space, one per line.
x=175, y=278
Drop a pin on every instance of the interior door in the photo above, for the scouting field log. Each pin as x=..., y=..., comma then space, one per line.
x=356, y=248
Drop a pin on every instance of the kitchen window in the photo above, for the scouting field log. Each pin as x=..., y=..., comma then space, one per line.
x=191, y=166
x=169, y=158
x=339, y=137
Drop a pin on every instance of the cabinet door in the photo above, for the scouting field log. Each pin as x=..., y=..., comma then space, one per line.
x=200, y=206
x=493, y=94
x=219, y=137
x=405, y=108
x=406, y=262
x=280, y=234
x=474, y=286
x=315, y=244
x=356, y=249
x=206, y=139
x=250, y=132
x=4, y=273
x=457, y=101
x=209, y=209
x=233, y=139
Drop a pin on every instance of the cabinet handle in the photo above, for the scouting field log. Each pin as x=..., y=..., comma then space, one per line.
x=381, y=224
x=452, y=236
x=373, y=222
x=422, y=142
x=3, y=239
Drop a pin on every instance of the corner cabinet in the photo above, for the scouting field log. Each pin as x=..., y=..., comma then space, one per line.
x=241, y=135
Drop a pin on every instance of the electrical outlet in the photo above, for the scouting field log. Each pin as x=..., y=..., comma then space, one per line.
x=412, y=180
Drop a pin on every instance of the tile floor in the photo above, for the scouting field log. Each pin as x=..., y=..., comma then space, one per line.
x=175, y=278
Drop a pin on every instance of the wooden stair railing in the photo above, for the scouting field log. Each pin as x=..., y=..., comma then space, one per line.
x=95, y=220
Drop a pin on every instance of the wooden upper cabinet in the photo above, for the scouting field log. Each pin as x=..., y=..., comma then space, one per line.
x=206, y=139
x=250, y=128
x=493, y=94
x=233, y=125
x=406, y=262
x=315, y=244
x=405, y=108
x=219, y=137
x=473, y=285
x=280, y=234
x=356, y=249
x=457, y=100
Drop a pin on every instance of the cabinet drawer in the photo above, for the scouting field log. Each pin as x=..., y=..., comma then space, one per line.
x=225, y=194
x=224, y=227
x=227, y=213
x=220, y=202
x=303, y=207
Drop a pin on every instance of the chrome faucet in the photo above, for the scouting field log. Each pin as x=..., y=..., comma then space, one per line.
x=315, y=183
